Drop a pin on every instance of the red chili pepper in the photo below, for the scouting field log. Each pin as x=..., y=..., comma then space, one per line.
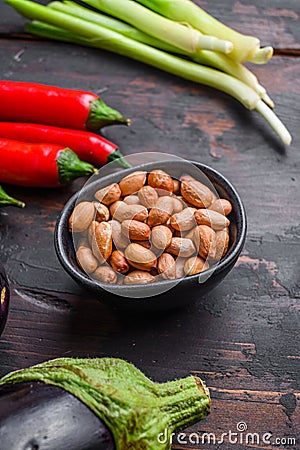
x=39, y=165
x=88, y=146
x=38, y=103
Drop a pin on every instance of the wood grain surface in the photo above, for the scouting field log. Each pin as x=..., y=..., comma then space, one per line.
x=243, y=338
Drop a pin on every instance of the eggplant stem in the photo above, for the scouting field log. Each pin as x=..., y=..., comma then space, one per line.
x=133, y=407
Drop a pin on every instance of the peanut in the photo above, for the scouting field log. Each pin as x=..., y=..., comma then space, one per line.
x=81, y=217
x=125, y=212
x=184, y=220
x=118, y=262
x=136, y=230
x=205, y=240
x=140, y=257
x=139, y=277
x=86, y=259
x=159, y=179
x=105, y=274
x=181, y=247
x=119, y=240
x=176, y=186
x=96, y=252
x=91, y=231
x=133, y=182
x=102, y=212
x=148, y=196
x=195, y=265
x=108, y=194
x=221, y=206
x=177, y=205
x=103, y=235
x=222, y=242
x=166, y=266
x=187, y=177
x=114, y=206
x=213, y=219
x=196, y=193
x=161, y=237
x=162, y=211
x=131, y=199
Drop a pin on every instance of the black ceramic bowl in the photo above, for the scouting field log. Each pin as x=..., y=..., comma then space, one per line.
x=145, y=297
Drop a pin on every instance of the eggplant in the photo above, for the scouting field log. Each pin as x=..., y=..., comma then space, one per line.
x=99, y=403
x=39, y=416
x=5, y=200
x=4, y=298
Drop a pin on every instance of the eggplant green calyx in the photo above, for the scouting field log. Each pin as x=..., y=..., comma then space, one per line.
x=136, y=410
x=6, y=200
x=70, y=166
x=102, y=115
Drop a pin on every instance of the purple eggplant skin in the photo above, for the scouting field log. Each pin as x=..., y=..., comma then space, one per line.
x=39, y=416
x=4, y=298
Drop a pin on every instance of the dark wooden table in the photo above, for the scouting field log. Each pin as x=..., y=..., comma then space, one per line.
x=243, y=338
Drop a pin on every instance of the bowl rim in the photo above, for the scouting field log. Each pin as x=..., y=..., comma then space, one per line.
x=83, y=278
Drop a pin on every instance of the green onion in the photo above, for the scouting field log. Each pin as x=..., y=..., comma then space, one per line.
x=245, y=48
x=236, y=69
x=181, y=36
x=110, y=40
x=206, y=57
x=111, y=23
x=107, y=39
x=274, y=121
x=261, y=55
x=51, y=32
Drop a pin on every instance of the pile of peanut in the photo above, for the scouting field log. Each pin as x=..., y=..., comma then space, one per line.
x=150, y=227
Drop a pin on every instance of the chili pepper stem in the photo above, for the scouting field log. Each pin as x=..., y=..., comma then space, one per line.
x=71, y=167
x=118, y=157
x=6, y=200
x=102, y=115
